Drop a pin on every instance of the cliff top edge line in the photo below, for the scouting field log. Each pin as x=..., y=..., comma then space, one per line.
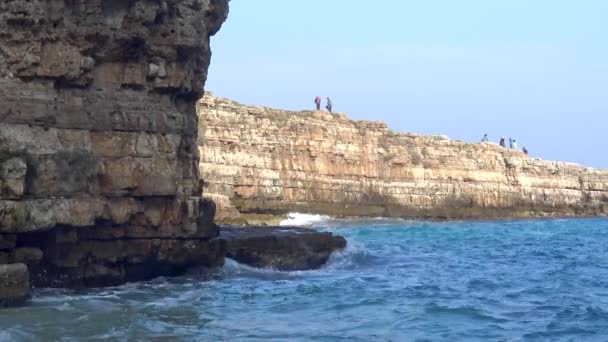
x=281, y=116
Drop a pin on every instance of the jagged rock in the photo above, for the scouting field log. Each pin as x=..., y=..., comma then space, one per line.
x=90, y=140
x=258, y=160
x=283, y=248
x=13, y=171
x=153, y=70
x=14, y=284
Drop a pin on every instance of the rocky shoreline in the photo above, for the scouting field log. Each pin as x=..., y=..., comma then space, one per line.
x=259, y=163
x=14, y=284
x=111, y=173
x=99, y=179
x=96, y=257
x=98, y=160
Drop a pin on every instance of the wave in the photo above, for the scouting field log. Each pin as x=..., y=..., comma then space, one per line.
x=234, y=269
x=469, y=311
x=304, y=220
x=307, y=220
x=355, y=256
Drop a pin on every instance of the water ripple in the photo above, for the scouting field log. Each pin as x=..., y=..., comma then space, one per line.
x=398, y=280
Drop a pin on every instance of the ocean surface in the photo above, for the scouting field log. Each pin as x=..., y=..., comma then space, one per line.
x=520, y=280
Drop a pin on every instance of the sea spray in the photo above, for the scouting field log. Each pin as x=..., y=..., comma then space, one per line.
x=304, y=220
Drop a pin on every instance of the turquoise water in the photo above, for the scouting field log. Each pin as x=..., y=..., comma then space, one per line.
x=536, y=280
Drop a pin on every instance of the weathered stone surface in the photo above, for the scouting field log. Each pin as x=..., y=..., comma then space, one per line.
x=14, y=284
x=98, y=132
x=12, y=176
x=104, y=256
x=267, y=161
x=283, y=248
x=174, y=217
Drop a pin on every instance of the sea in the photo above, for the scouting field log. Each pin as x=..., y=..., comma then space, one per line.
x=398, y=280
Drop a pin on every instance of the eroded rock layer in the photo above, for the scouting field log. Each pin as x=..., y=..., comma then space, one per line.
x=282, y=248
x=98, y=157
x=268, y=161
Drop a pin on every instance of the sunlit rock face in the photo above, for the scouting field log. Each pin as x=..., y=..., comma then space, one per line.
x=268, y=161
x=98, y=130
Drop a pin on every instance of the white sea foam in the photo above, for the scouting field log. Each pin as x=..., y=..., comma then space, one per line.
x=232, y=268
x=303, y=220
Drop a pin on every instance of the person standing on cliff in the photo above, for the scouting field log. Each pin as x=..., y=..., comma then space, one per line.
x=329, y=105
x=511, y=143
x=525, y=150
x=318, y=102
x=485, y=138
x=502, y=142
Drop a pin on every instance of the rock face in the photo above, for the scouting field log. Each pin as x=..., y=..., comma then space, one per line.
x=14, y=284
x=99, y=179
x=282, y=248
x=258, y=160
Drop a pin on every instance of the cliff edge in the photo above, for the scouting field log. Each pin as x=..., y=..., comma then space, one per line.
x=99, y=179
x=261, y=162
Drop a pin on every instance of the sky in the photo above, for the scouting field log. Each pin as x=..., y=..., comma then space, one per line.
x=536, y=71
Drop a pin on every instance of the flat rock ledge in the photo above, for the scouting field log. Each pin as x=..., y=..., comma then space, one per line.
x=282, y=248
x=14, y=284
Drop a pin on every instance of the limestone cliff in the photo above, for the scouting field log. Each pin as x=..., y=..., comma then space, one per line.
x=268, y=161
x=99, y=174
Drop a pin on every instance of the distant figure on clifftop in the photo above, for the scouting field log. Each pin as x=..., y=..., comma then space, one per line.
x=502, y=142
x=485, y=138
x=329, y=105
x=525, y=150
x=318, y=102
x=511, y=142
x=514, y=144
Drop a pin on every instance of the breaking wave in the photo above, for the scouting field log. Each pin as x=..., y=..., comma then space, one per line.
x=304, y=220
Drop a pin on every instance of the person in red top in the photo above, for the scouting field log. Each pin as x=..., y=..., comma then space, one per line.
x=318, y=102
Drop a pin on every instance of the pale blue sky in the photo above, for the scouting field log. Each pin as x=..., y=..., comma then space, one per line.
x=536, y=70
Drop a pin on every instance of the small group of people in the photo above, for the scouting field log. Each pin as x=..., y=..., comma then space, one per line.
x=503, y=143
x=328, y=106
